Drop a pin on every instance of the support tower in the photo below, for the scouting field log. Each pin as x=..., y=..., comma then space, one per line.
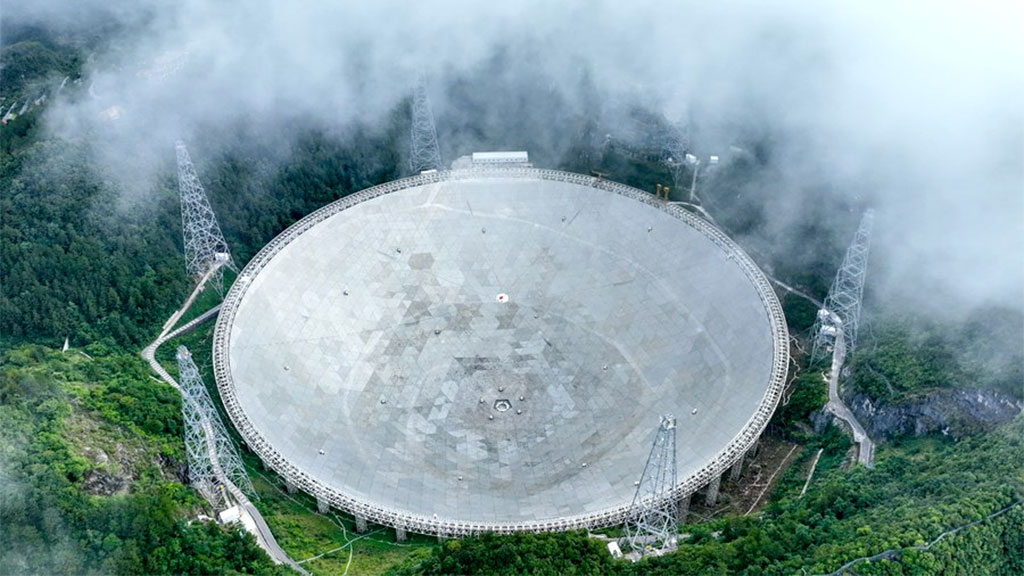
x=652, y=521
x=205, y=247
x=842, y=306
x=677, y=145
x=208, y=448
x=424, y=153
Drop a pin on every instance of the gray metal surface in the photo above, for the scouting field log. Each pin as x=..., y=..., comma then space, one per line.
x=366, y=353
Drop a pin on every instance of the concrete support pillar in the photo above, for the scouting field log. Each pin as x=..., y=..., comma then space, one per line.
x=360, y=524
x=290, y=488
x=711, y=495
x=684, y=508
x=752, y=451
x=400, y=535
x=737, y=468
x=322, y=506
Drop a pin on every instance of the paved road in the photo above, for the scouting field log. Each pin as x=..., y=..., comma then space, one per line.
x=263, y=535
x=838, y=407
x=796, y=291
x=149, y=352
x=835, y=404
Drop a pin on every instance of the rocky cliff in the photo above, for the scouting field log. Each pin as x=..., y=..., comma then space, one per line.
x=956, y=412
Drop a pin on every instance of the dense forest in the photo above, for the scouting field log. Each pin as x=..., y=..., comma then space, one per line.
x=91, y=456
x=914, y=355
x=919, y=488
x=91, y=464
x=78, y=263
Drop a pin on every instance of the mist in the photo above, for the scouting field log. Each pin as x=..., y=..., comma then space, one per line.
x=914, y=109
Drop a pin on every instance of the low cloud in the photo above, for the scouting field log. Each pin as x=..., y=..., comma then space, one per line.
x=914, y=108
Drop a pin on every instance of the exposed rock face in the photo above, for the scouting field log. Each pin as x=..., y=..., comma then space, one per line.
x=98, y=456
x=955, y=411
x=821, y=418
x=100, y=483
x=173, y=469
x=107, y=477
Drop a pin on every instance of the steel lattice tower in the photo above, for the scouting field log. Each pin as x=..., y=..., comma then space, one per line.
x=842, y=305
x=677, y=144
x=208, y=448
x=424, y=153
x=205, y=247
x=652, y=522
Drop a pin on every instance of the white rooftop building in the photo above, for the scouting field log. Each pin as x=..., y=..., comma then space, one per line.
x=230, y=516
x=489, y=159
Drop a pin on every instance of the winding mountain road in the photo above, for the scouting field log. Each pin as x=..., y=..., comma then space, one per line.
x=836, y=405
x=264, y=537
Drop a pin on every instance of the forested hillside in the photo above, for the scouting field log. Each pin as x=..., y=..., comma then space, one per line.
x=912, y=355
x=918, y=489
x=91, y=459
x=73, y=266
x=81, y=264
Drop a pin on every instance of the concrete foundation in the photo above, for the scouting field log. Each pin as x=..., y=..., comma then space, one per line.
x=360, y=524
x=290, y=488
x=737, y=468
x=711, y=494
x=400, y=535
x=684, y=508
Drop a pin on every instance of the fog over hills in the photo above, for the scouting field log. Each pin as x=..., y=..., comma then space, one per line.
x=914, y=108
